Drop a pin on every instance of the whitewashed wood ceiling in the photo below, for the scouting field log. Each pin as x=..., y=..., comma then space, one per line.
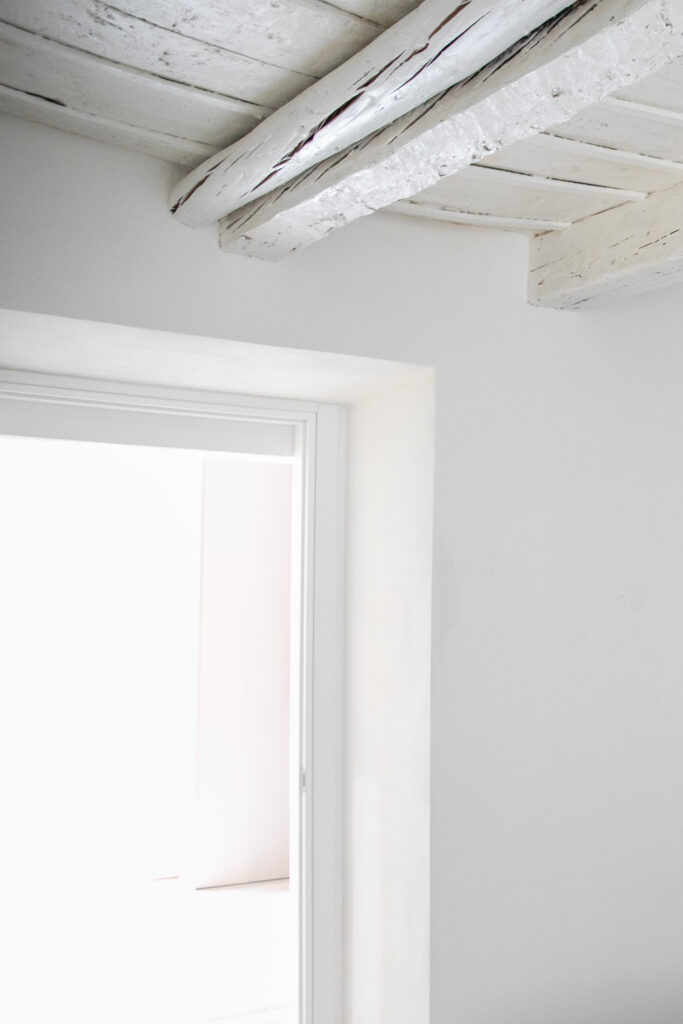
x=181, y=79
x=177, y=79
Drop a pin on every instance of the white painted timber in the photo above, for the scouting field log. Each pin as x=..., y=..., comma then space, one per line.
x=100, y=28
x=312, y=38
x=568, y=160
x=384, y=12
x=432, y=211
x=665, y=89
x=625, y=125
x=427, y=51
x=557, y=71
x=68, y=77
x=523, y=197
x=637, y=247
x=165, y=147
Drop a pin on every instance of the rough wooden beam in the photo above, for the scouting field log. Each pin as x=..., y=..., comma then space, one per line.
x=570, y=62
x=633, y=248
x=441, y=42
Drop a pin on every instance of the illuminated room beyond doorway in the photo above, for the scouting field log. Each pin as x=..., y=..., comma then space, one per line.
x=149, y=732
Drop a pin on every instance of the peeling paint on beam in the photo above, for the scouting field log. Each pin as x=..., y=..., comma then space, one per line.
x=441, y=42
x=633, y=248
x=563, y=67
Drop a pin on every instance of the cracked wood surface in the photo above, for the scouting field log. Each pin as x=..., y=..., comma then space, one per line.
x=441, y=42
x=580, y=56
x=634, y=248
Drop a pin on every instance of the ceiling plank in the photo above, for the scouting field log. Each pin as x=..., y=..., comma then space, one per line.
x=102, y=129
x=100, y=28
x=634, y=248
x=453, y=215
x=623, y=124
x=523, y=196
x=665, y=89
x=565, y=65
x=384, y=12
x=301, y=35
x=414, y=60
x=569, y=160
x=81, y=81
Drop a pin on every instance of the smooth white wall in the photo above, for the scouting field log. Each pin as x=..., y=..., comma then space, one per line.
x=557, y=830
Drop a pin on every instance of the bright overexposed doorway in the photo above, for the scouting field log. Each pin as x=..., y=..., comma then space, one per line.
x=149, y=733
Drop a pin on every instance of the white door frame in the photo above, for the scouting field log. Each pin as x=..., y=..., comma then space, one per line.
x=320, y=432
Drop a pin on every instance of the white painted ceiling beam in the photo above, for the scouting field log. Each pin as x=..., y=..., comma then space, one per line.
x=633, y=248
x=567, y=64
x=424, y=53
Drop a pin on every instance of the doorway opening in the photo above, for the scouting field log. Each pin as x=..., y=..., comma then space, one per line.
x=152, y=728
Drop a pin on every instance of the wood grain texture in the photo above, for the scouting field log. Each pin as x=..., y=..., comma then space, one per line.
x=428, y=50
x=567, y=160
x=634, y=248
x=560, y=69
x=82, y=82
x=107, y=31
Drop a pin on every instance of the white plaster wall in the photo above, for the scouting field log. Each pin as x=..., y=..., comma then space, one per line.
x=557, y=708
